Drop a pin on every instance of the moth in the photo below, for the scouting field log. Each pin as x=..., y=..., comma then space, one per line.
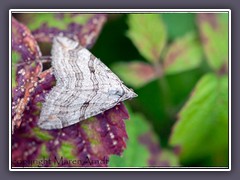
x=84, y=86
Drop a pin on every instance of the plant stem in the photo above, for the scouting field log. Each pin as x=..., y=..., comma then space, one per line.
x=163, y=85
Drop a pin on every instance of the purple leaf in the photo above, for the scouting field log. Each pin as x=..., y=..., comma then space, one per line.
x=136, y=73
x=24, y=44
x=158, y=157
x=88, y=143
x=95, y=138
x=70, y=25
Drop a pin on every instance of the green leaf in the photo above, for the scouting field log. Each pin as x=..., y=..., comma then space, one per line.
x=51, y=19
x=179, y=24
x=159, y=156
x=148, y=33
x=44, y=153
x=183, y=54
x=214, y=34
x=143, y=148
x=202, y=128
x=135, y=73
x=169, y=157
x=42, y=158
x=15, y=58
x=136, y=154
x=66, y=151
x=42, y=135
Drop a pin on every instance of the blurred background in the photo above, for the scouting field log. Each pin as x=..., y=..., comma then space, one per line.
x=177, y=63
x=186, y=43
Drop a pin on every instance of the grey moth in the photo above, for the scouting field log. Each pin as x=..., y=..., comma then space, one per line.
x=84, y=87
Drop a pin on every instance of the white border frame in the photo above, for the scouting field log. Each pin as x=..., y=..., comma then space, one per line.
x=124, y=11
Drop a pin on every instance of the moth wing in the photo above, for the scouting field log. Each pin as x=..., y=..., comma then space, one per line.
x=85, y=87
x=62, y=111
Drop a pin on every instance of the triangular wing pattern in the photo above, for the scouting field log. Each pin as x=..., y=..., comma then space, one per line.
x=85, y=86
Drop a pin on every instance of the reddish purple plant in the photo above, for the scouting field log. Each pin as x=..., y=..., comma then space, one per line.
x=88, y=143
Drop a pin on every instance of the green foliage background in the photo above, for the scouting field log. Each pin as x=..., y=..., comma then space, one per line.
x=184, y=97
